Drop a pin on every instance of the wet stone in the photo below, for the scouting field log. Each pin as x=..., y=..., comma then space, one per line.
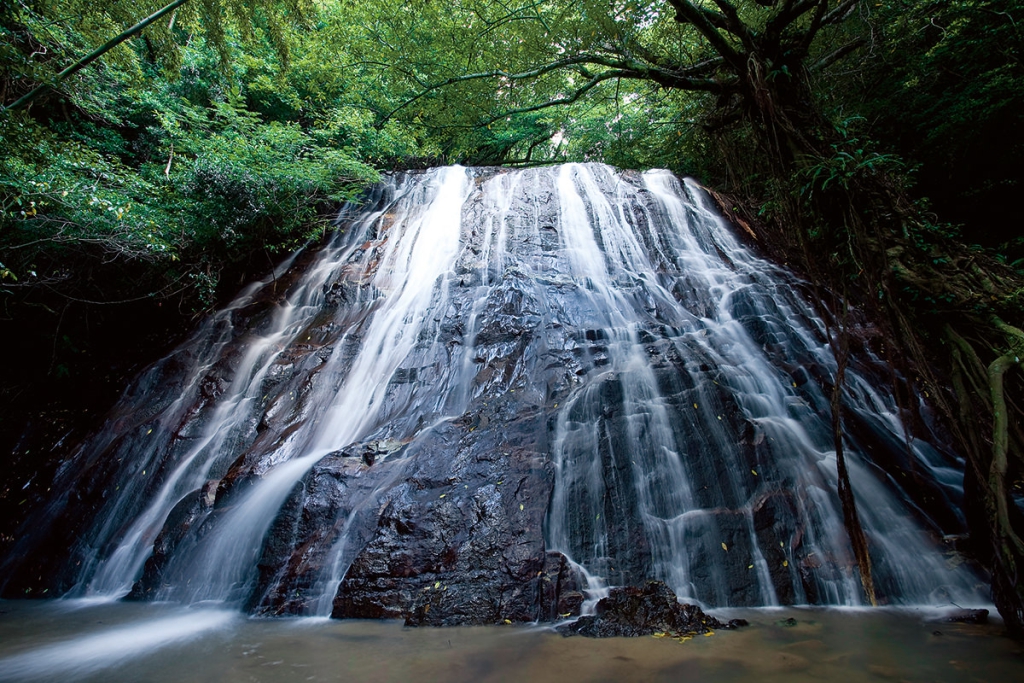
x=642, y=611
x=967, y=616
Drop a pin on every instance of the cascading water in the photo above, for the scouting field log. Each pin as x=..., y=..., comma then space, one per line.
x=492, y=386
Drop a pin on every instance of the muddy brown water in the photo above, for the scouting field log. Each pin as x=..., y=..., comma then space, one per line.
x=114, y=642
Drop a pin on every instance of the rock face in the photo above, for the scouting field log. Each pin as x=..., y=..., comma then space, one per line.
x=490, y=392
x=468, y=548
x=452, y=533
x=642, y=611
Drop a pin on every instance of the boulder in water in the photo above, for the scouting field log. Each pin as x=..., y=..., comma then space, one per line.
x=967, y=616
x=631, y=611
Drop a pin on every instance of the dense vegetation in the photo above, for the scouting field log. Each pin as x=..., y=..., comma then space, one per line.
x=864, y=143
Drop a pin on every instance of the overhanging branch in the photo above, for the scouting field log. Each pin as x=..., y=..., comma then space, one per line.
x=833, y=57
x=841, y=11
x=685, y=78
x=735, y=25
x=696, y=16
x=790, y=12
x=97, y=53
x=499, y=73
x=568, y=99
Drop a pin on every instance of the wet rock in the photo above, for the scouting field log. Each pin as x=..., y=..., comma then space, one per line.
x=370, y=451
x=208, y=496
x=460, y=540
x=967, y=616
x=184, y=517
x=632, y=611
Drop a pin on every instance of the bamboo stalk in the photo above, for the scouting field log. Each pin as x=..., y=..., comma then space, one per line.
x=95, y=54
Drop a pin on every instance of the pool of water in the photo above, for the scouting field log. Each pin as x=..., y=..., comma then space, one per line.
x=113, y=642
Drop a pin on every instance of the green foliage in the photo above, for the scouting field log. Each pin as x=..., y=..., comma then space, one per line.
x=59, y=192
x=190, y=174
x=852, y=160
x=229, y=129
x=241, y=181
x=945, y=89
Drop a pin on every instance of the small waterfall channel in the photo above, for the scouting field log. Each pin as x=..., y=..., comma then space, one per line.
x=491, y=396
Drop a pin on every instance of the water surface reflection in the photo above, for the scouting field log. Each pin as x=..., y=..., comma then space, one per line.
x=113, y=642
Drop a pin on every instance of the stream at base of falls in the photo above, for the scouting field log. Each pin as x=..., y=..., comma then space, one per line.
x=112, y=642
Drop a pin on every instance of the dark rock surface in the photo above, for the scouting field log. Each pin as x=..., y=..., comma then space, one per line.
x=467, y=547
x=631, y=611
x=967, y=616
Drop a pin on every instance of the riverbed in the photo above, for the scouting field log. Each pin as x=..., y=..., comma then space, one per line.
x=114, y=642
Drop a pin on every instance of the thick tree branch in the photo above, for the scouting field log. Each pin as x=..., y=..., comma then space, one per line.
x=823, y=18
x=735, y=25
x=663, y=78
x=687, y=11
x=833, y=57
x=568, y=99
x=1000, y=446
x=808, y=37
x=499, y=73
x=702, y=68
x=98, y=52
x=685, y=78
x=790, y=12
x=841, y=11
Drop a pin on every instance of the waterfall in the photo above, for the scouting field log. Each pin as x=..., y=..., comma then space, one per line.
x=494, y=394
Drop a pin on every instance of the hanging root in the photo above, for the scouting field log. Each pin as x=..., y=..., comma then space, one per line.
x=982, y=387
x=1000, y=436
x=1000, y=439
x=850, y=518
